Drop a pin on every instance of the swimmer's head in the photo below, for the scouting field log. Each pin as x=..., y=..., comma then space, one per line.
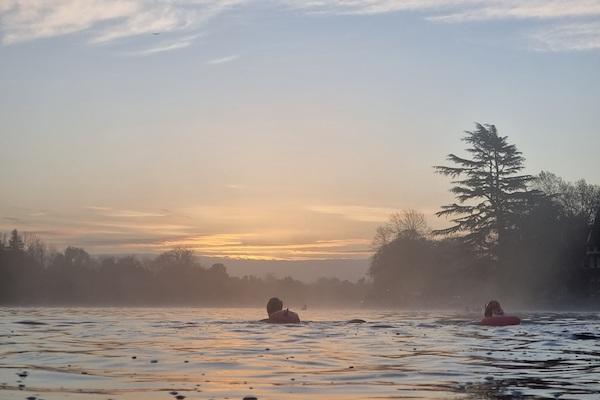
x=493, y=308
x=274, y=305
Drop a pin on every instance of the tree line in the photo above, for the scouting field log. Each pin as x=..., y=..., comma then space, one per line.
x=30, y=274
x=512, y=236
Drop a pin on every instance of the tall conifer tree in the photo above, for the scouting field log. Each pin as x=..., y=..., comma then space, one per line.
x=490, y=191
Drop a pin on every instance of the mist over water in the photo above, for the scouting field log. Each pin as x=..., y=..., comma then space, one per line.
x=141, y=353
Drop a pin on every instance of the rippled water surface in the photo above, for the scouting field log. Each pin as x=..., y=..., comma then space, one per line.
x=132, y=353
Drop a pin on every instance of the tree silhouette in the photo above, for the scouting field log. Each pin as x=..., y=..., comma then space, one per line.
x=15, y=243
x=410, y=223
x=490, y=192
x=577, y=199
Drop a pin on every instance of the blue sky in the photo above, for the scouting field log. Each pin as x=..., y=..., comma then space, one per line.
x=276, y=129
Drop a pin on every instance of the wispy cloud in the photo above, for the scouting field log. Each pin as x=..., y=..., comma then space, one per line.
x=104, y=20
x=511, y=9
x=236, y=186
x=581, y=36
x=24, y=20
x=104, y=229
x=375, y=6
x=167, y=46
x=101, y=229
x=355, y=213
x=250, y=246
x=223, y=60
x=164, y=18
x=118, y=213
x=14, y=220
x=573, y=22
x=97, y=208
x=459, y=10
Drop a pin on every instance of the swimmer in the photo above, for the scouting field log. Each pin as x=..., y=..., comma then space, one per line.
x=277, y=315
x=493, y=309
x=494, y=316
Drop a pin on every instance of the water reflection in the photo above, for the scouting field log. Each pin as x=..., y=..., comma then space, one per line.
x=224, y=353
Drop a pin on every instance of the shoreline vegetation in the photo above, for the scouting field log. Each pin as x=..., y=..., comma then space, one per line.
x=515, y=237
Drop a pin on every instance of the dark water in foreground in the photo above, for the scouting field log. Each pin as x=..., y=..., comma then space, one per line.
x=129, y=353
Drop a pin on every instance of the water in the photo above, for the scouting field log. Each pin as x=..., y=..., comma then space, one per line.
x=132, y=353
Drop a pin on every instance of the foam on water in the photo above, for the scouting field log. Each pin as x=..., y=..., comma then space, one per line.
x=136, y=353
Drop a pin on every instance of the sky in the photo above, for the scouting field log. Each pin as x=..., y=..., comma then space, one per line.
x=284, y=130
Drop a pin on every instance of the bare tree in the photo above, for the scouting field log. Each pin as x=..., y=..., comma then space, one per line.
x=36, y=248
x=576, y=198
x=409, y=224
x=383, y=236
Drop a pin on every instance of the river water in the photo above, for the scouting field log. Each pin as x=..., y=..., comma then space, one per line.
x=200, y=353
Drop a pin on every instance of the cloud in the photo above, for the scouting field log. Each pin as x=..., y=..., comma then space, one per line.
x=167, y=46
x=24, y=20
x=101, y=229
x=104, y=20
x=355, y=213
x=97, y=208
x=112, y=212
x=582, y=36
x=236, y=186
x=511, y=9
x=14, y=220
x=164, y=18
x=251, y=246
x=358, y=7
x=574, y=23
x=458, y=10
x=256, y=234
x=223, y=60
